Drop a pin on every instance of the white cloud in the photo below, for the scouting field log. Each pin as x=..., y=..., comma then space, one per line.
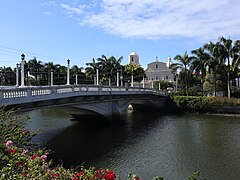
x=47, y=13
x=153, y=19
x=73, y=10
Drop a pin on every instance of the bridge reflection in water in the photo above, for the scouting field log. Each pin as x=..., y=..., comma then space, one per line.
x=109, y=101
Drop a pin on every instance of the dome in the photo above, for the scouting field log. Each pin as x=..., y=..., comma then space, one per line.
x=133, y=54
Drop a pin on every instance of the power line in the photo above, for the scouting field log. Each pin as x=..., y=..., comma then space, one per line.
x=11, y=51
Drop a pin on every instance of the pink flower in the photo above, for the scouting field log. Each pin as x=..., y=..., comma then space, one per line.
x=9, y=143
x=25, y=151
x=43, y=157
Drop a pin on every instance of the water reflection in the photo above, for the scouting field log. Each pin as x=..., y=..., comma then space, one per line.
x=148, y=143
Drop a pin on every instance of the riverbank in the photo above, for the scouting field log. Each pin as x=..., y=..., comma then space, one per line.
x=216, y=105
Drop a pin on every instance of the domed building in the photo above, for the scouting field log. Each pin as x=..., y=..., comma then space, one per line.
x=157, y=71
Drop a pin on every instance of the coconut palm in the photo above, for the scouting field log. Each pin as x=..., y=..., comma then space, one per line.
x=199, y=63
x=91, y=68
x=213, y=62
x=109, y=67
x=184, y=63
x=236, y=59
x=227, y=51
x=34, y=67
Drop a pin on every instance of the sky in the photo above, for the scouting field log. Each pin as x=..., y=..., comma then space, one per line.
x=81, y=30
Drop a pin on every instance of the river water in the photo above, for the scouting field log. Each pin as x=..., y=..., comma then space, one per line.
x=147, y=144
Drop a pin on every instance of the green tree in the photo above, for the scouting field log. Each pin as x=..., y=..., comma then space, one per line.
x=183, y=65
x=109, y=68
x=213, y=62
x=227, y=52
x=91, y=69
x=134, y=69
x=198, y=64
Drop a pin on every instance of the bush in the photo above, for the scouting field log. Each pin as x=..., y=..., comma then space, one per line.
x=204, y=103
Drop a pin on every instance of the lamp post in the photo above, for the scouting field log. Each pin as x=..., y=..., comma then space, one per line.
x=143, y=82
x=132, y=80
x=97, y=83
x=68, y=72
x=22, y=69
x=121, y=78
x=76, y=79
x=17, y=75
x=51, y=77
x=117, y=78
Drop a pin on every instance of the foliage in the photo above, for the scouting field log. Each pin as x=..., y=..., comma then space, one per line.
x=134, y=69
x=204, y=104
x=163, y=85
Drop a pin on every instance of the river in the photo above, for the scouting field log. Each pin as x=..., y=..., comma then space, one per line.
x=147, y=144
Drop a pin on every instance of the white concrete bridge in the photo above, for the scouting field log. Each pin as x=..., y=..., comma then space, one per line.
x=109, y=101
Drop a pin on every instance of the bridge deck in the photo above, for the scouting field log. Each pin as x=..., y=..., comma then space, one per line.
x=21, y=95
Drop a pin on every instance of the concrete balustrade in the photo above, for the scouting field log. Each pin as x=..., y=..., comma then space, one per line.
x=16, y=95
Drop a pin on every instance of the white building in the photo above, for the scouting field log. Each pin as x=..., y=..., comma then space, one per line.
x=157, y=71
x=133, y=58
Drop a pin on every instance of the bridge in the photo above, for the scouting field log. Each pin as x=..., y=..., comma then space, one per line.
x=109, y=101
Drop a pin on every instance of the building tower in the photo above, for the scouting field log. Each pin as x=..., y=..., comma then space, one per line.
x=169, y=63
x=133, y=58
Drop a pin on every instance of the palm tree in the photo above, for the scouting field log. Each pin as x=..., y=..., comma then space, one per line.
x=213, y=62
x=199, y=63
x=91, y=69
x=184, y=62
x=227, y=51
x=34, y=67
x=236, y=59
x=75, y=70
x=109, y=67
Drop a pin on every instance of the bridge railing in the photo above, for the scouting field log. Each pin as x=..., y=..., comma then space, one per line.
x=16, y=95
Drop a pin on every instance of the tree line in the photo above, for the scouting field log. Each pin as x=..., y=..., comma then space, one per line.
x=38, y=73
x=211, y=68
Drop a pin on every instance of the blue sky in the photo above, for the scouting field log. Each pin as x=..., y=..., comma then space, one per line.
x=80, y=30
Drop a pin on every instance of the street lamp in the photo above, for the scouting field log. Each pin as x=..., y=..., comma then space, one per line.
x=51, y=77
x=117, y=78
x=22, y=69
x=76, y=79
x=68, y=72
x=121, y=77
x=17, y=74
x=132, y=80
x=97, y=83
x=143, y=82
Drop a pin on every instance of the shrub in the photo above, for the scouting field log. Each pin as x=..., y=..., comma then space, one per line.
x=204, y=103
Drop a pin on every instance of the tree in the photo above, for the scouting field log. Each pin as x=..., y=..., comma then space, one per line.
x=227, y=52
x=213, y=62
x=184, y=63
x=134, y=69
x=91, y=68
x=34, y=67
x=109, y=67
x=199, y=63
